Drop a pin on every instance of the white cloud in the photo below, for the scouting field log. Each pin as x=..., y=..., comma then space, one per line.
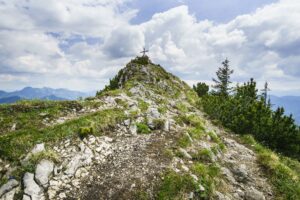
x=264, y=44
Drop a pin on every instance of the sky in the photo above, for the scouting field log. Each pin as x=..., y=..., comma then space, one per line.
x=81, y=44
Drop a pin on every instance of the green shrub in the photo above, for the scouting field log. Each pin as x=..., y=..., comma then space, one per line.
x=141, y=60
x=85, y=131
x=142, y=128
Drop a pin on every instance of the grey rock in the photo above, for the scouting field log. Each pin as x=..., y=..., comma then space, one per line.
x=228, y=175
x=201, y=188
x=43, y=170
x=153, y=113
x=191, y=195
x=31, y=188
x=38, y=148
x=81, y=159
x=127, y=122
x=185, y=153
x=220, y=196
x=133, y=129
x=26, y=197
x=10, y=195
x=241, y=173
x=12, y=183
x=167, y=125
x=254, y=194
x=13, y=128
x=188, y=135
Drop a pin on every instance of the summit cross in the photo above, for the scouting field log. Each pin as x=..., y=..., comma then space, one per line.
x=144, y=52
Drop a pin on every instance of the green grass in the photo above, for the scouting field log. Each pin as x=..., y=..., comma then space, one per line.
x=204, y=155
x=190, y=120
x=29, y=114
x=121, y=103
x=181, y=107
x=208, y=177
x=196, y=132
x=143, y=106
x=283, y=172
x=143, y=128
x=162, y=109
x=18, y=143
x=175, y=186
x=192, y=96
x=184, y=141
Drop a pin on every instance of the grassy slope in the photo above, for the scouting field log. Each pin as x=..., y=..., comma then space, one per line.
x=283, y=172
x=17, y=143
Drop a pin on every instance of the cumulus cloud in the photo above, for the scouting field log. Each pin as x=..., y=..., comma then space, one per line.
x=85, y=42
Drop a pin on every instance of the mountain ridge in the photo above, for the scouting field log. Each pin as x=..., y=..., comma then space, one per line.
x=41, y=93
x=144, y=136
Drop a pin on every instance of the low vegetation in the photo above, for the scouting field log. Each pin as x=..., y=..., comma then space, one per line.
x=14, y=145
x=282, y=172
x=175, y=186
x=28, y=114
x=208, y=178
x=142, y=128
x=244, y=111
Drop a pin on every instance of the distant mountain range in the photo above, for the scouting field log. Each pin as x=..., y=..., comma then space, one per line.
x=291, y=105
x=41, y=93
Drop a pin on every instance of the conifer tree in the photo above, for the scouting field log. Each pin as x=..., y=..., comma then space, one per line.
x=201, y=89
x=222, y=83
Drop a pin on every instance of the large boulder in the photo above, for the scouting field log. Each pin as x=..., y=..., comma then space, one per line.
x=43, y=170
x=31, y=188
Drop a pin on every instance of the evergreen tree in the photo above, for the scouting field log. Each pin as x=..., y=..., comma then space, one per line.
x=201, y=89
x=222, y=83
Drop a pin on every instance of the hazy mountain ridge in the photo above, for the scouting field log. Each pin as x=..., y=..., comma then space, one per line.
x=41, y=93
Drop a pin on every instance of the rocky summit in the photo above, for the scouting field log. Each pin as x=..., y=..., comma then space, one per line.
x=143, y=137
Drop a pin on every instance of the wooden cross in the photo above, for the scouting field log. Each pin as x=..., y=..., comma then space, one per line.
x=144, y=52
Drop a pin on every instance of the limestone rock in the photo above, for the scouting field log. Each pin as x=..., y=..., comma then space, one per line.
x=241, y=173
x=38, y=148
x=153, y=113
x=43, y=170
x=254, y=194
x=10, y=195
x=133, y=129
x=31, y=188
x=185, y=153
x=12, y=183
x=81, y=159
x=167, y=125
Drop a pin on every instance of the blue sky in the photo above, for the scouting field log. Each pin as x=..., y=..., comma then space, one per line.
x=81, y=44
